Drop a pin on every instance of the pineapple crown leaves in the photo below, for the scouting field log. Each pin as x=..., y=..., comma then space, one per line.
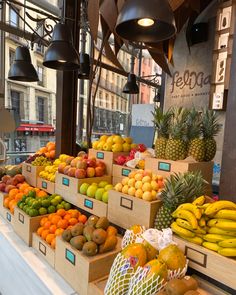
x=194, y=122
x=162, y=122
x=182, y=188
x=178, y=126
x=210, y=124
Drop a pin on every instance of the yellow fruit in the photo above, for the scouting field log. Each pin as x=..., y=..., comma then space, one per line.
x=147, y=196
x=110, y=139
x=100, y=145
x=211, y=246
x=139, y=194
x=192, y=208
x=154, y=195
x=131, y=191
x=215, y=230
x=125, y=189
x=141, y=164
x=125, y=181
x=107, y=147
x=138, y=177
x=136, y=251
x=151, y=251
x=57, y=162
x=118, y=187
x=103, y=138
x=195, y=240
x=224, y=224
x=199, y=201
x=95, y=144
x=146, y=187
x=117, y=139
x=136, y=229
x=117, y=147
x=229, y=243
x=128, y=140
x=226, y=214
x=131, y=182
x=138, y=184
x=219, y=205
x=216, y=238
x=126, y=147
x=147, y=179
x=173, y=257
x=229, y=252
x=187, y=215
x=154, y=185
x=202, y=222
x=181, y=231
x=158, y=268
x=134, y=146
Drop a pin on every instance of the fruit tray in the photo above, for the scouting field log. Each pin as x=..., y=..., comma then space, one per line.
x=46, y=185
x=126, y=211
x=43, y=249
x=31, y=173
x=209, y=263
x=79, y=270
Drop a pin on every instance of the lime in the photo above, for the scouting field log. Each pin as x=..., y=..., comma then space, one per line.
x=43, y=211
x=25, y=207
x=19, y=203
x=67, y=206
x=46, y=203
x=33, y=212
x=51, y=209
x=54, y=202
x=28, y=210
x=63, y=203
x=32, y=194
x=24, y=198
x=30, y=202
x=59, y=199
x=60, y=206
x=28, y=199
x=36, y=205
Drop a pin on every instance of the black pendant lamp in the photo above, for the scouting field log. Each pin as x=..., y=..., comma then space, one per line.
x=131, y=86
x=84, y=68
x=22, y=68
x=146, y=21
x=61, y=54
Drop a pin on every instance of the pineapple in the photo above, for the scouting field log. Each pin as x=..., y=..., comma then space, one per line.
x=176, y=148
x=210, y=128
x=161, y=121
x=196, y=146
x=179, y=188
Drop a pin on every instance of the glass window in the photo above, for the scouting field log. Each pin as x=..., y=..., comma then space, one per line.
x=41, y=106
x=40, y=75
x=107, y=101
x=11, y=56
x=117, y=103
x=112, y=103
x=15, y=101
x=40, y=32
x=14, y=17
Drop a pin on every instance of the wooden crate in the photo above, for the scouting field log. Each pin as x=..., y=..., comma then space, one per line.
x=31, y=173
x=92, y=205
x=121, y=171
x=79, y=270
x=209, y=263
x=107, y=157
x=116, y=180
x=97, y=287
x=25, y=225
x=6, y=213
x=126, y=211
x=46, y=185
x=44, y=249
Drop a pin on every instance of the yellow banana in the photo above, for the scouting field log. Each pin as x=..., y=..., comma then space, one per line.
x=211, y=246
x=215, y=238
x=181, y=231
x=224, y=224
x=226, y=214
x=216, y=230
x=219, y=205
x=202, y=222
x=230, y=252
x=230, y=243
x=199, y=201
x=187, y=215
x=195, y=240
x=204, y=206
x=192, y=208
x=185, y=224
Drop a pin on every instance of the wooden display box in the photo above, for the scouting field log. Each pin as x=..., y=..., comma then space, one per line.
x=126, y=211
x=116, y=180
x=97, y=287
x=121, y=171
x=46, y=185
x=25, y=225
x=107, y=157
x=79, y=270
x=6, y=213
x=209, y=263
x=31, y=173
x=44, y=249
x=92, y=205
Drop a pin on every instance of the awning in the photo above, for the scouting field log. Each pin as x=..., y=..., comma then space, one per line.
x=35, y=128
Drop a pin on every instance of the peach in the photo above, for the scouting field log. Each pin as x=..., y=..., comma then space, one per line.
x=81, y=164
x=90, y=172
x=154, y=185
x=61, y=167
x=99, y=171
x=139, y=193
x=5, y=178
x=8, y=188
x=131, y=182
x=19, y=177
x=125, y=180
x=80, y=173
x=68, y=160
x=74, y=162
x=138, y=184
x=131, y=191
x=125, y=189
x=146, y=178
x=147, y=196
x=66, y=169
x=138, y=176
x=2, y=186
x=71, y=172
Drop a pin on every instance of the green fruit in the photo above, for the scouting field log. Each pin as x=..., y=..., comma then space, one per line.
x=46, y=203
x=63, y=203
x=67, y=206
x=25, y=207
x=51, y=209
x=108, y=187
x=99, y=193
x=59, y=199
x=60, y=206
x=102, y=184
x=32, y=194
x=83, y=188
x=91, y=191
x=105, y=197
x=36, y=205
x=24, y=198
x=33, y=212
x=54, y=202
x=28, y=199
x=43, y=211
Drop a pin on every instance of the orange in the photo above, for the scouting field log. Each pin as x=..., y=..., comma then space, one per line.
x=73, y=221
x=82, y=218
x=19, y=196
x=6, y=202
x=53, y=243
x=74, y=213
x=39, y=231
x=43, y=150
x=43, y=220
x=52, y=229
x=56, y=219
x=47, y=155
x=23, y=187
x=11, y=203
x=62, y=224
x=12, y=210
x=61, y=212
x=52, y=154
x=67, y=217
x=41, y=194
x=36, y=189
x=59, y=231
x=50, y=146
x=28, y=189
x=50, y=216
x=47, y=224
x=13, y=192
x=44, y=233
x=49, y=238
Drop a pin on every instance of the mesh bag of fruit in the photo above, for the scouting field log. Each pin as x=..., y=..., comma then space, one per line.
x=131, y=235
x=120, y=276
x=179, y=273
x=144, y=283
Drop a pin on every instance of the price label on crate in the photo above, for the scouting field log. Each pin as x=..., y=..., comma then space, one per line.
x=28, y=168
x=70, y=256
x=100, y=155
x=88, y=204
x=163, y=166
x=44, y=185
x=8, y=216
x=125, y=172
x=42, y=249
x=66, y=181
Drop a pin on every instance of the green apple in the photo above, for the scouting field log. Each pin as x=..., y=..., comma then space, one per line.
x=91, y=191
x=105, y=197
x=108, y=187
x=102, y=183
x=83, y=188
x=99, y=193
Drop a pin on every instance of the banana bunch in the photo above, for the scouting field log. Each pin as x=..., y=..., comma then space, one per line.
x=212, y=225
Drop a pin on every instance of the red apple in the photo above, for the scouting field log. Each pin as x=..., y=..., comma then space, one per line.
x=2, y=186
x=71, y=172
x=74, y=162
x=8, y=188
x=66, y=169
x=99, y=171
x=68, y=160
x=85, y=156
x=80, y=173
x=61, y=167
x=82, y=164
x=19, y=177
x=91, y=162
x=90, y=172
x=5, y=178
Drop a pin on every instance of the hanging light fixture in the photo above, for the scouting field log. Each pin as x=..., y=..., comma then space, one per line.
x=131, y=86
x=146, y=21
x=84, y=69
x=22, y=68
x=61, y=54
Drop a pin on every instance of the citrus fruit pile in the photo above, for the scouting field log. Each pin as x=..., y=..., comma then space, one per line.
x=54, y=224
x=34, y=205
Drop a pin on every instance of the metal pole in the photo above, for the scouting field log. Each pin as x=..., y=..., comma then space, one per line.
x=131, y=96
x=139, y=71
